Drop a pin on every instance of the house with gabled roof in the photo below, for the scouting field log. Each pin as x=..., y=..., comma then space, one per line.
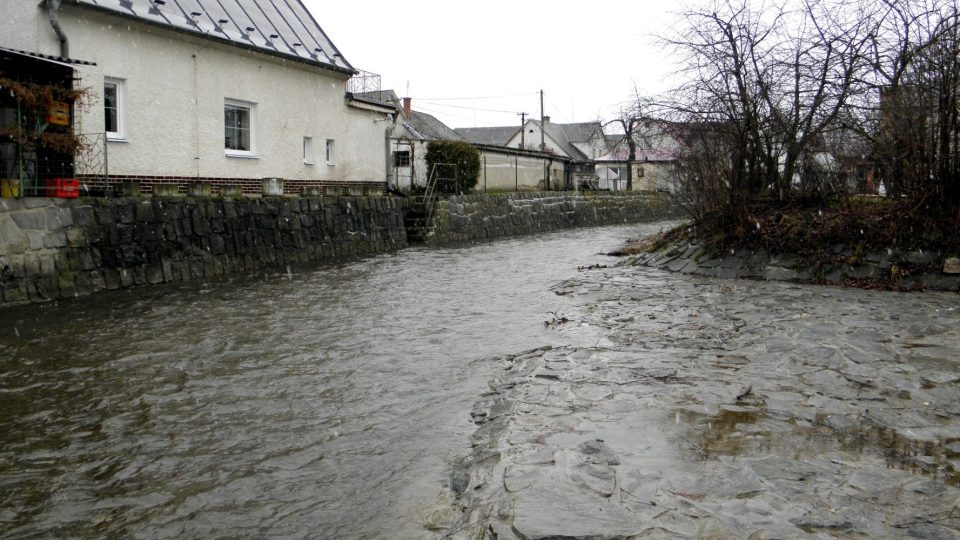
x=580, y=143
x=226, y=92
x=412, y=132
x=501, y=168
x=575, y=145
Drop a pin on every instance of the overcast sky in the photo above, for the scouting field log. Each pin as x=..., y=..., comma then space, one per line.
x=480, y=63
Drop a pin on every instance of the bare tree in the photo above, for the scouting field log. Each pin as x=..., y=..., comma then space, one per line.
x=770, y=83
x=630, y=119
x=906, y=105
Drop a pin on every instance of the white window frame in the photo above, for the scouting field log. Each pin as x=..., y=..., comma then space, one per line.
x=251, y=108
x=331, y=152
x=121, y=88
x=309, y=151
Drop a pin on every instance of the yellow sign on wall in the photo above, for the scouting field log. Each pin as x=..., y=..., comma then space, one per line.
x=59, y=113
x=10, y=187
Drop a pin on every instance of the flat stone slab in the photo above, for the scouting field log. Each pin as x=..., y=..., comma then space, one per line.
x=724, y=409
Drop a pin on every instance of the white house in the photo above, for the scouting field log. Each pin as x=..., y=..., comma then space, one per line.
x=575, y=146
x=582, y=141
x=412, y=133
x=226, y=92
x=501, y=168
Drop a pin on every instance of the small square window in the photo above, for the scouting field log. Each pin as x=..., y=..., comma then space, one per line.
x=114, y=102
x=238, y=128
x=330, y=153
x=309, y=154
x=401, y=158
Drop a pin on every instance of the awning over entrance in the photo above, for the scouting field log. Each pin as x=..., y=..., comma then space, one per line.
x=6, y=54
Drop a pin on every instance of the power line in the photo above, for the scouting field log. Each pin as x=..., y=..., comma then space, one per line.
x=444, y=113
x=464, y=107
x=554, y=105
x=478, y=97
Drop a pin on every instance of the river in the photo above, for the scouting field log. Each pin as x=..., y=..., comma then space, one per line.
x=324, y=402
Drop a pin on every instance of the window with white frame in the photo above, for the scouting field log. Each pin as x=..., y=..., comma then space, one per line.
x=239, y=128
x=330, y=152
x=114, y=104
x=309, y=155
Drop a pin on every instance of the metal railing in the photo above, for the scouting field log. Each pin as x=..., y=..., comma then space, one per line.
x=29, y=170
x=363, y=81
x=430, y=194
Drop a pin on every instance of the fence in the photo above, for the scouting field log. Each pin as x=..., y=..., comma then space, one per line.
x=32, y=172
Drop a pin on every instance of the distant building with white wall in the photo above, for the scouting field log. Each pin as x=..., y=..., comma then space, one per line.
x=228, y=92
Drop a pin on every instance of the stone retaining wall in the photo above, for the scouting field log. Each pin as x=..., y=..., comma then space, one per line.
x=58, y=248
x=483, y=216
x=904, y=270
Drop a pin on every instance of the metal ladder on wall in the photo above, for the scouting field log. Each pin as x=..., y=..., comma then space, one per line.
x=418, y=221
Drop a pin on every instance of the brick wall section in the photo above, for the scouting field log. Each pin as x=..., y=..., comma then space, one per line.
x=249, y=186
x=59, y=248
x=476, y=217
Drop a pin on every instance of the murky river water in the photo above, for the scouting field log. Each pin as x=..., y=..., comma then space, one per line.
x=327, y=403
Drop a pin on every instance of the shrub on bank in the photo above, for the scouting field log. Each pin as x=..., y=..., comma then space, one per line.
x=456, y=165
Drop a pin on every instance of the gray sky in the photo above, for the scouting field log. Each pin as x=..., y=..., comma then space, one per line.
x=586, y=56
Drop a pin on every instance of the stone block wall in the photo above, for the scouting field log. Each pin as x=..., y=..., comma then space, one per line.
x=483, y=216
x=59, y=248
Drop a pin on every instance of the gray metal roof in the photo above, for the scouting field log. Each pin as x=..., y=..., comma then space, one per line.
x=281, y=27
x=579, y=132
x=429, y=128
x=561, y=133
x=498, y=136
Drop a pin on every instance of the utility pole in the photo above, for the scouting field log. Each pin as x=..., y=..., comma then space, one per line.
x=523, y=122
x=543, y=146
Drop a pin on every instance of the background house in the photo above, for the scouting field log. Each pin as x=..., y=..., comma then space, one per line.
x=412, y=132
x=227, y=92
x=579, y=143
x=655, y=160
x=501, y=168
x=569, y=150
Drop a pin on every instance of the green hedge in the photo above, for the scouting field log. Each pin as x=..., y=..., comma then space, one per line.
x=466, y=159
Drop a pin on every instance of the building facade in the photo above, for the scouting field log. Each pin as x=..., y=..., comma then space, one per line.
x=213, y=96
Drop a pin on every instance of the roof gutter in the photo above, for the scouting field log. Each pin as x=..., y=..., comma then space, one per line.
x=53, y=10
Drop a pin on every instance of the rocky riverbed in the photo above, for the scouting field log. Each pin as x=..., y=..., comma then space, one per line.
x=719, y=409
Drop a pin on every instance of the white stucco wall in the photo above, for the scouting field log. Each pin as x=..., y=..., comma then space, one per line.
x=593, y=148
x=175, y=88
x=420, y=173
x=504, y=172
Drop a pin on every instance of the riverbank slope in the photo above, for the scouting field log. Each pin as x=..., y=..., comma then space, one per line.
x=866, y=243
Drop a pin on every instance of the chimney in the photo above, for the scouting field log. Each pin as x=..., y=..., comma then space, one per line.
x=546, y=119
x=406, y=106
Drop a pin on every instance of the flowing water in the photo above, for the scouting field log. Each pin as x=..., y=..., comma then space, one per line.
x=324, y=402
